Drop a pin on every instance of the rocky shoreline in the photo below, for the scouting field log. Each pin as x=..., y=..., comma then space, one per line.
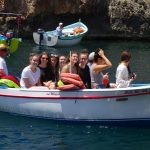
x=106, y=19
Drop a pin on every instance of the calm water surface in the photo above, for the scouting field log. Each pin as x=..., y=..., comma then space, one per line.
x=22, y=133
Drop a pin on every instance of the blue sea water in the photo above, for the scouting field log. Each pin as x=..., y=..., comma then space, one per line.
x=23, y=133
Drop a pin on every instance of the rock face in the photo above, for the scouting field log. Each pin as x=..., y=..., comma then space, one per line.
x=104, y=18
x=130, y=17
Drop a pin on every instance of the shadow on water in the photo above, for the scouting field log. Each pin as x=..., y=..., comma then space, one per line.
x=58, y=50
x=23, y=133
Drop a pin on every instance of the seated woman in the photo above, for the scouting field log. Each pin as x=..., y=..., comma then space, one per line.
x=71, y=64
x=122, y=74
x=31, y=74
x=46, y=70
x=101, y=63
x=54, y=64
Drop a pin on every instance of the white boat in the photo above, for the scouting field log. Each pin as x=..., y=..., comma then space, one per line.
x=103, y=106
x=50, y=38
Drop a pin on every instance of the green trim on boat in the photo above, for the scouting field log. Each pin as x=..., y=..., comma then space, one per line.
x=70, y=37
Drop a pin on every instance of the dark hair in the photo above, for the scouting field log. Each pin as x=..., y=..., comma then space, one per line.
x=84, y=52
x=96, y=56
x=44, y=53
x=55, y=69
x=57, y=59
x=125, y=56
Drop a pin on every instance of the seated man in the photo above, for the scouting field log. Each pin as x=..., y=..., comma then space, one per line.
x=59, y=29
x=84, y=71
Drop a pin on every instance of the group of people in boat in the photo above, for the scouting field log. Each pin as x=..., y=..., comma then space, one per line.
x=45, y=70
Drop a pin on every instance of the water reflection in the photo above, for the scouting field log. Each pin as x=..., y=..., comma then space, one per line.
x=58, y=50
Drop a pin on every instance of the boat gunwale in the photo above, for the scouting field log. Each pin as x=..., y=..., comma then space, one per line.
x=58, y=97
x=85, y=90
x=145, y=90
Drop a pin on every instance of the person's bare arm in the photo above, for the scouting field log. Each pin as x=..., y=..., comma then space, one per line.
x=99, y=68
x=107, y=64
x=107, y=61
x=27, y=84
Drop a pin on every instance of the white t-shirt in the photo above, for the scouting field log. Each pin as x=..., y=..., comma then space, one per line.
x=32, y=76
x=3, y=65
x=122, y=76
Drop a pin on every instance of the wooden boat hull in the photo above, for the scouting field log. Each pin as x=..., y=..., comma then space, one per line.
x=101, y=105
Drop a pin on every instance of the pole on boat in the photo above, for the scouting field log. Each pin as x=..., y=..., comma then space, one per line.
x=70, y=63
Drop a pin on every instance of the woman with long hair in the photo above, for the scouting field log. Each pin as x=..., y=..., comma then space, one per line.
x=54, y=64
x=46, y=70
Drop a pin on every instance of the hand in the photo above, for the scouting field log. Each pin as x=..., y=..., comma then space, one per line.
x=101, y=52
x=106, y=76
x=133, y=76
x=47, y=84
x=105, y=80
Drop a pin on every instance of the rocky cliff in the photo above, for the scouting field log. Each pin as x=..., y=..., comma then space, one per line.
x=104, y=18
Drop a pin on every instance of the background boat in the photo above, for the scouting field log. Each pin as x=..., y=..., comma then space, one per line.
x=50, y=38
x=11, y=38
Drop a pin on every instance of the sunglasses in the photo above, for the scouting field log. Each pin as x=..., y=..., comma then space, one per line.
x=54, y=55
x=44, y=58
